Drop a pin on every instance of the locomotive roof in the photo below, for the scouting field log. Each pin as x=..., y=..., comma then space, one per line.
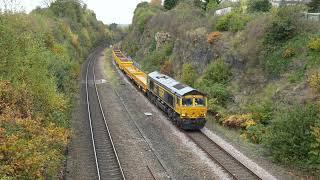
x=172, y=85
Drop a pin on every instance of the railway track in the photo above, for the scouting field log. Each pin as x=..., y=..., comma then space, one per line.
x=228, y=163
x=107, y=162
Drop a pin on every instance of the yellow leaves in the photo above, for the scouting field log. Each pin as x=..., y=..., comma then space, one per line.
x=239, y=121
x=314, y=44
x=75, y=40
x=31, y=150
x=316, y=133
x=314, y=80
x=288, y=53
x=58, y=50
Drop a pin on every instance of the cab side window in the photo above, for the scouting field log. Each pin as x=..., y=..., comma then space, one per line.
x=187, y=102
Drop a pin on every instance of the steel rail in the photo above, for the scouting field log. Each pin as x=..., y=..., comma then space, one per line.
x=89, y=117
x=234, y=176
x=150, y=171
x=106, y=124
x=91, y=61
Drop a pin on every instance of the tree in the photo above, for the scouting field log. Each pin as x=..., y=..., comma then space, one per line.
x=189, y=75
x=212, y=4
x=11, y=6
x=156, y=2
x=259, y=5
x=113, y=26
x=314, y=6
x=169, y=4
x=47, y=3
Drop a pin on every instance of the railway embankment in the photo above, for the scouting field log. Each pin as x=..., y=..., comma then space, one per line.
x=259, y=69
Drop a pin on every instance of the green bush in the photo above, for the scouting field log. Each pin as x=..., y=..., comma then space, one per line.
x=234, y=21
x=189, y=75
x=142, y=14
x=281, y=30
x=262, y=111
x=290, y=138
x=259, y=5
x=212, y=5
x=155, y=59
x=314, y=6
x=170, y=4
x=217, y=72
x=214, y=82
x=215, y=91
x=274, y=64
x=255, y=133
x=284, y=25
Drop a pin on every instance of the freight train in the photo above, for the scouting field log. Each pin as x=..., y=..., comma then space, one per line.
x=185, y=106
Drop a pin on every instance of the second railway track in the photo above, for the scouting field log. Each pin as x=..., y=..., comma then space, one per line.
x=106, y=158
x=228, y=163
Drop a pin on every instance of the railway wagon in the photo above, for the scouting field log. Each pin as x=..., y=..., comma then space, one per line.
x=185, y=106
x=121, y=60
x=137, y=76
x=128, y=67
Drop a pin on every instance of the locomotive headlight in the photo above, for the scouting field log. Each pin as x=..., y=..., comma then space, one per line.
x=183, y=115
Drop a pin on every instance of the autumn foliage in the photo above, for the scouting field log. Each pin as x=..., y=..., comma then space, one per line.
x=27, y=148
x=212, y=37
x=40, y=61
x=239, y=121
x=166, y=68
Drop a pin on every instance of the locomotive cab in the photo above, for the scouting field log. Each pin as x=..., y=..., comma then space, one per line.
x=193, y=106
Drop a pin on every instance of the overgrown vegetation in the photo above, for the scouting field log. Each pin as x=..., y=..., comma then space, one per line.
x=234, y=22
x=295, y=127
x=258, y=65
x=259, y=5
x=41, y=53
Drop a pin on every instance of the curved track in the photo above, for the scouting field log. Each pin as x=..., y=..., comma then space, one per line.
x=228, y=163
x=106, y=158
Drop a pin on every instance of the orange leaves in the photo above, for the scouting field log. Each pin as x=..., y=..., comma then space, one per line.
x=212, y=37
x=166, y=68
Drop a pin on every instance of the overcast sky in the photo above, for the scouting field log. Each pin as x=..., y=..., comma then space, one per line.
x=108, y=11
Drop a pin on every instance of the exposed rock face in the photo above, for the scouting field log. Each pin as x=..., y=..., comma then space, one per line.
x=193, y=48
x=161, y=38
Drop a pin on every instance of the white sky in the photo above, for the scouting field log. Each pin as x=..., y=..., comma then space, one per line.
x=108, y=11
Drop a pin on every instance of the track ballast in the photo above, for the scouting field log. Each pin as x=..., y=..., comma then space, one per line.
x=106, y=159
